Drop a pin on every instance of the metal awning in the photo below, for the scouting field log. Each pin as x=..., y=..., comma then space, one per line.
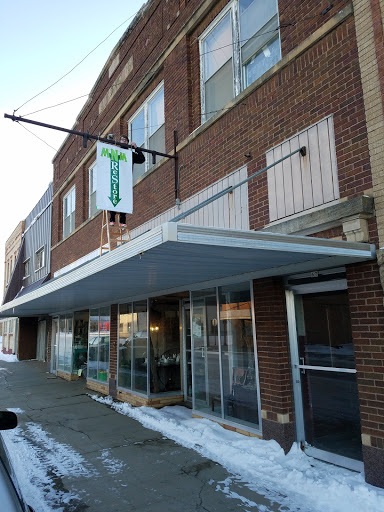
x=179, y=257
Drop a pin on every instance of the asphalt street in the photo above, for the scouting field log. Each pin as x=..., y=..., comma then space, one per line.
x=154, y=473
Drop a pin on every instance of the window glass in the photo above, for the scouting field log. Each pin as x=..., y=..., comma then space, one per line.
x=98, y=344
x=69, y=212
x=68, y=345
x=224, y=364
x=164, y=342
x=125, y=346
x=139, y=346
x=92, y=190
x=27, y=268
x=40, y=259
x=236, y=50
x=147, y=129
x=217, y=47
x=237, y=354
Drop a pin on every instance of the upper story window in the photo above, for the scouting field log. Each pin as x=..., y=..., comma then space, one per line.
x=27, y=268
x=40, y=259
x=147, y=128
x=92, y=189
x=241, y=44
x=69, y=205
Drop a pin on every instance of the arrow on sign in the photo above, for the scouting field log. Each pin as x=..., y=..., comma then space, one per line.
x=115, y=197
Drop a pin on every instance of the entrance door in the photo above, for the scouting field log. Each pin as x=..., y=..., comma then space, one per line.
x=54, y=344
x=325, y=384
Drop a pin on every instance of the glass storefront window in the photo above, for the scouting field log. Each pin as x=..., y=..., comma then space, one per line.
x=98, y=344
x=164, y=340
x=80, y=341
x=149, y=361
x=224, y=363
x=139, y=346
x=125, y=346
x=237, y=354
x=207, y=386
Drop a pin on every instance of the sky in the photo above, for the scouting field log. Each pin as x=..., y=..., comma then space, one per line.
x=296, y=482
x=40, y=42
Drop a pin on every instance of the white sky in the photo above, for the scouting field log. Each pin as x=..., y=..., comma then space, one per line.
x=40, y=41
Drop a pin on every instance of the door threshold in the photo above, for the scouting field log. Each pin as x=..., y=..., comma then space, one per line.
x=333, y=458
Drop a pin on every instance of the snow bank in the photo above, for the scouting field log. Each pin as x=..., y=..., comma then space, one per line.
x=296, y=481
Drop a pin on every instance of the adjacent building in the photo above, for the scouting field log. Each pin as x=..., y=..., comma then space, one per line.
x=27, y=336
x=262, y=308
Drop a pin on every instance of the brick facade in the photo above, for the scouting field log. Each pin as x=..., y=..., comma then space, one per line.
x=331, y=65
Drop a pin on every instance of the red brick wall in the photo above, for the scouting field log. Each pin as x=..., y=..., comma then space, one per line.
x=367, y=319
x=279, y=108
x=272, y=348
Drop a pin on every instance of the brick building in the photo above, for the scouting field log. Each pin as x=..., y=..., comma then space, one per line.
x=9, y=326
x=262, y=309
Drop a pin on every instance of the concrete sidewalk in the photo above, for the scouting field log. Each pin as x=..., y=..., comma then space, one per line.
x=154, y=473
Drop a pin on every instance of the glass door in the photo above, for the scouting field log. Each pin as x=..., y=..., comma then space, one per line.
x=206, y=360
x=325, y=383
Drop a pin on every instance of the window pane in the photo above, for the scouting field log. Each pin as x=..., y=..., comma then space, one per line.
x=237, y=354
x=93, y=349
x=125, y=345
x=68, y=345
x=104, y=326
x=157, y=142
x=61, y=347
x=217, y=47
x=139, y=341
x=137, y=129
x=156, y=112
x=262, y=61
x=254, y=14
x=206, y=362
x=219, y=90
x=164, y=338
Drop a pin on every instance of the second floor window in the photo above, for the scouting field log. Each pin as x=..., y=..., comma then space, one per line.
x=92, y=189
x=40, y=259
x=69, y=204
x=27, y=267
x=147, y=129
x=241, y=44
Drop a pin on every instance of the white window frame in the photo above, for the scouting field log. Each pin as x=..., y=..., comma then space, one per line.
x=92, y=178
x=238, y=69
x=37, y=253
x=27, y=268
x=144, y=107
x=71, y=192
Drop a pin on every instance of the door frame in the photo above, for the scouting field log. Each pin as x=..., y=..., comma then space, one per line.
x=296, y=367
x=54, y=352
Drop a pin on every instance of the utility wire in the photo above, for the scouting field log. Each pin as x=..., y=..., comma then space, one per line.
x=78, y=64
x=34, y=134
x=281, y=26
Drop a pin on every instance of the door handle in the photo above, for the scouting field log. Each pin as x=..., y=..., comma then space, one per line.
x=302, y=362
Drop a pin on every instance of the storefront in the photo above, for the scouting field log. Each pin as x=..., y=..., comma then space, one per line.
x=185, y=314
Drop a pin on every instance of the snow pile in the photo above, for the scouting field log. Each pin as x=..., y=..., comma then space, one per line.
x=6, y=357
x=296, y=481
x=39, y=463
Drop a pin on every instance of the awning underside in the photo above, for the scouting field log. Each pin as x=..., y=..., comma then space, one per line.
x=179, y=257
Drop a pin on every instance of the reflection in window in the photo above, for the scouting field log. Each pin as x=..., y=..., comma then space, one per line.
x=164, y=338
x=236, y=49
x=147, y=129
x=224, y=369
x=98, y=344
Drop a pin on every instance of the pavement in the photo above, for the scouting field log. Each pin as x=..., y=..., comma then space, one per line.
x=154, y=473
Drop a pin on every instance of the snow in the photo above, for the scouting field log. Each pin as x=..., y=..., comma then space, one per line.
x=296, y=481
x=6, y=357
